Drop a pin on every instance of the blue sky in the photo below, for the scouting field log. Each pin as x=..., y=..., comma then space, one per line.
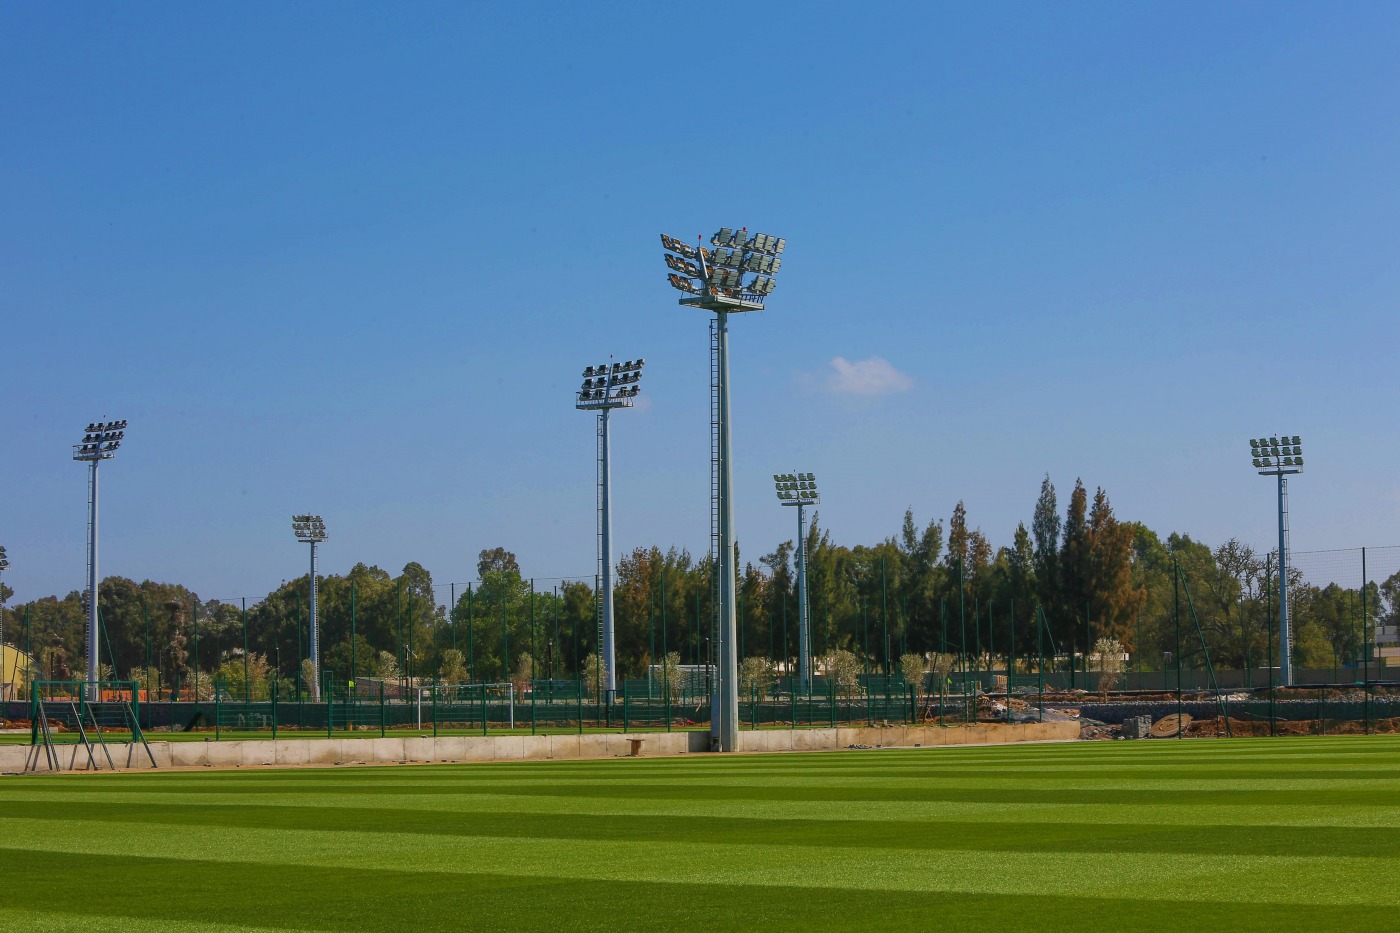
x=351, y=258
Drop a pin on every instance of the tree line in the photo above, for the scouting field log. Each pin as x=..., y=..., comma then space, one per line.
x=1072, y=577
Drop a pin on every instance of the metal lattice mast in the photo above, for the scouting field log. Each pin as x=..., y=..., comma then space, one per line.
x=606, y=387
x=312, y=530
x=100, y=442
x=1281, y=457
x=601, y=542
x=713, y=641
x=800, y=490
x=1285, y=620
x=715, y=280
x=5, y=565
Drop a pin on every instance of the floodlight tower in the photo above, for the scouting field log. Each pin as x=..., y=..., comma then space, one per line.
x=715, y=280
x=99, y=443
x=1280, y=456
x=605, y=387
x=800, y=489
x=312, y=530
x=4, y=565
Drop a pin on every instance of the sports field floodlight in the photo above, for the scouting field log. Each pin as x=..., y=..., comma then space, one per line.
x=1280, y=457
x=800, y=490
x=100, y=442
x=4, y=565
x=734, y=274
x=605, y=387
x=312, y=530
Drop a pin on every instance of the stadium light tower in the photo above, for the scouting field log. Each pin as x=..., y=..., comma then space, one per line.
x=605, y=387
x=100, y=442
x=717, y=280
x=312, y=530
x=4, y=565
x=800, y=489
x=1281, y=457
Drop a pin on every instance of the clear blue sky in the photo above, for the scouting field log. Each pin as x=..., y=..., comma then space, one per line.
x=351, y=258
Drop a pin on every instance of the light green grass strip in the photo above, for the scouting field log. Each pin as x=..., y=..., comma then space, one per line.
x=1222, y=878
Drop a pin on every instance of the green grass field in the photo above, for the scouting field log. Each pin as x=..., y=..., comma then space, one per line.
x=1245, y=834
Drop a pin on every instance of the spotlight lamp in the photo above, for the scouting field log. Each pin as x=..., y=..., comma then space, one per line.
x=4, y=561
x=309, y=527
x=1272, y=456
x=610, y=385
x=720, y=277
x=101, y=441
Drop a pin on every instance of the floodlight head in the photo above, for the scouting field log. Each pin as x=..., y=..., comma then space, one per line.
x=720, y=282
x=309, y=528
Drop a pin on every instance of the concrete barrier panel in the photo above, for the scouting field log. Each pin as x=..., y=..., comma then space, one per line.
x=259, y=753
x=534, y=746
x=478, y=748
x=386, y=749
x=594, y=746
x=188, y=754
x=416, y=748
x=565, y=746
x=509, y=748
x=324, y=751
x=449, y=748
x=294, y=751
x=222, y=754
x=813, y=739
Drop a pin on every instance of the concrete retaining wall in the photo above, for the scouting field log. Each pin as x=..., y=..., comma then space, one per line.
x=296, y=752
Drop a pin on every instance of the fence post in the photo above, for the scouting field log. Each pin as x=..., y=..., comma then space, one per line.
x=381, y=709
x=273, y=694
x=580, y=706
x=435, y=716
x=626, y=711
x=483, y=710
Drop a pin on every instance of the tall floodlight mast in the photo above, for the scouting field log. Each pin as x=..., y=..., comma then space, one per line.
x=1280, y=457
x=800, y=489
x=718, y=280
x=605, y=387
x=4, y=565
x=312, y=530
x=100, y=442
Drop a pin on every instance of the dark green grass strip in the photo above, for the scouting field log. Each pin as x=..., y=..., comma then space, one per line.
x=292, y=897
x=1043, y=793
x=914, y=835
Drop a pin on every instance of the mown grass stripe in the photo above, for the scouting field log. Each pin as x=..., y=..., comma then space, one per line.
x=152, y=894
x=1216, y=877
x=914, y=835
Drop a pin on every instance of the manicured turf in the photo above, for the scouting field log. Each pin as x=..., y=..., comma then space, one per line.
x=1246, y=834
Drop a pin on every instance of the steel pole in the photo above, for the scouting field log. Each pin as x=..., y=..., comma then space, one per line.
x=1284, y=641
x=804, y=656
x=315, y=646
x=728, y=673
x=92, y=630
x=605, y=546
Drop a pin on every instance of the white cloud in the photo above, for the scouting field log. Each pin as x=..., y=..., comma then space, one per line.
x=868, y=377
